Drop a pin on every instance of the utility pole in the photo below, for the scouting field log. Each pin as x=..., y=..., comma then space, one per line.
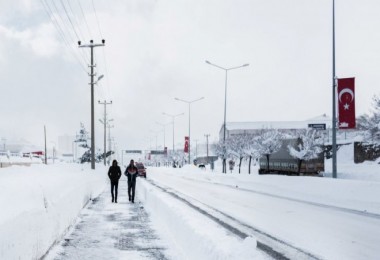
x=207, y=136
x=45, y=145
x=105, y=103
x=4, y=140
x=92, y=46
x=109, y=141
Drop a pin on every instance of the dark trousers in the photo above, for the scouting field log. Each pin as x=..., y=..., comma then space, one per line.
x=114, y=185
x=131, y=186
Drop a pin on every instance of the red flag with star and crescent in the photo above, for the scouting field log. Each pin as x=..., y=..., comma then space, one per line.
x=186, y=150
x=346, y=103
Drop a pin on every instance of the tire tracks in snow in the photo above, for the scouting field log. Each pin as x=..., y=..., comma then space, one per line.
x=274, y=247
x=336, y=208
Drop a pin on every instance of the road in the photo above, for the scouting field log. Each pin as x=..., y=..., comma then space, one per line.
x=324, y=232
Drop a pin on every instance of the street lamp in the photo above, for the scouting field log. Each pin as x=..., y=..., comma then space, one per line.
x=189, y=103
x=225, y=104
x=99, y=78
x=155, y=134
x=163, y=125
x=173, y=116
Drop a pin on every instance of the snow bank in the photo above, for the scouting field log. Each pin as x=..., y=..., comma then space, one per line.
x=40, y=202
x=193, y=235
x=6, y=161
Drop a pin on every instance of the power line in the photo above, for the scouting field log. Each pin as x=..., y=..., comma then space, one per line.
x=104, y=56
x=84, y=17
x=86, y=61
x=75, y=20
x=49, y=13
x=72, y=25
x=97, y=20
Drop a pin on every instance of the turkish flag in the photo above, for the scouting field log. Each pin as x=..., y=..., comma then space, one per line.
x=186, y=150
x=346, y=103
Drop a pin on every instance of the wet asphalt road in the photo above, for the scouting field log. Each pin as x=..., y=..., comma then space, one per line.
x=108, y=230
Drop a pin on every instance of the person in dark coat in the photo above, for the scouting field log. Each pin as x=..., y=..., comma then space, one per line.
x=131, y=172
x=114, y=173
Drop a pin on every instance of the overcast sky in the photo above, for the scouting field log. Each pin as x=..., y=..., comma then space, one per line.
x=156, y=51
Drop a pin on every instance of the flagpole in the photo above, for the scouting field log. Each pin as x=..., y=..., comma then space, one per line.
x=334, y=168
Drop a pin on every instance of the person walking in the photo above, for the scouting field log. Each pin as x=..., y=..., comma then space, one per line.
x=114, y=173
x=131, y=172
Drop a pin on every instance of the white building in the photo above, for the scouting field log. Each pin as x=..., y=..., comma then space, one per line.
x=237, y=128
x=66, y=145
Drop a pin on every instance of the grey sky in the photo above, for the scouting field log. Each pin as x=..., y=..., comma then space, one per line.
x=156, y=51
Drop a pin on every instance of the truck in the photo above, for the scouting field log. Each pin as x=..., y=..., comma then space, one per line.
x=281, y=162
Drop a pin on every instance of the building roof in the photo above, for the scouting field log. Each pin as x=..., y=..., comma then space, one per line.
x=322, y=119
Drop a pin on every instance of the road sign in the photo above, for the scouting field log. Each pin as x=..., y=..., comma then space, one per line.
x=317, y=126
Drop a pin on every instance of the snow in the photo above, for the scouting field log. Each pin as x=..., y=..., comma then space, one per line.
x=39, y=203
x=329, y=218
x=194, y=236
x=323, y=231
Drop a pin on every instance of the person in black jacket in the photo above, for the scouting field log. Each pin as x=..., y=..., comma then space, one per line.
x=114, y=173
x=131, y=172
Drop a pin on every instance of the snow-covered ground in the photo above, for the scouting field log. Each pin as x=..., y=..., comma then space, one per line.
x=198, y=214
x=38, y=203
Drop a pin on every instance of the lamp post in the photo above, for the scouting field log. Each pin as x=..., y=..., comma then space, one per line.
x=189, y=103
x=172, y=116
x=207, y=136
x=334, y=119
x=225, y=104
x=163, y=125
x=155, y=135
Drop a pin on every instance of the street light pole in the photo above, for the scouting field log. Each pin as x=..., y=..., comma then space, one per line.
x=92, y=46
x=173, y=116
x=334, y=168
x=189, y=103
x=207, y=136
x=225, y=105
x=163, y=125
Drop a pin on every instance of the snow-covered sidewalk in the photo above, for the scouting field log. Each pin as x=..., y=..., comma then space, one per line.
x=106, y=230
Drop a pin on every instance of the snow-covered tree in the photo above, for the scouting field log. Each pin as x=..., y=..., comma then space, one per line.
x=236, y=147
x=82, y=137
x=269, y=142
x=371, y=123
x=251, y=149
x=221, y=151
x=308, y=147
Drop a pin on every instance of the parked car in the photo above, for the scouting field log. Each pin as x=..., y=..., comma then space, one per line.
x=141, y=169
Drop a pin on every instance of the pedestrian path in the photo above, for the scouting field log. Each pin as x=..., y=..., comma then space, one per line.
x=108, y=230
